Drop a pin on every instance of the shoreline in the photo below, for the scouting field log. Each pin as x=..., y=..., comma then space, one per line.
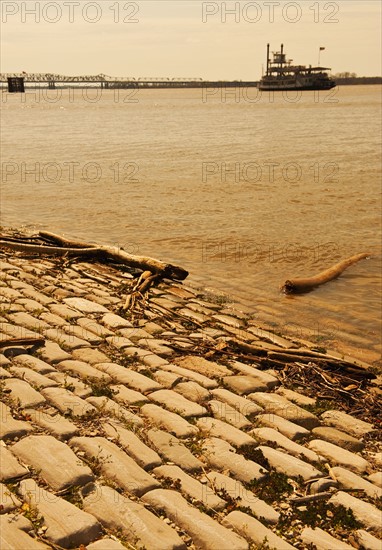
x=177, y=410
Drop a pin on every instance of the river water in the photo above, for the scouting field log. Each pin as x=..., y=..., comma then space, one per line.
x=243, y=189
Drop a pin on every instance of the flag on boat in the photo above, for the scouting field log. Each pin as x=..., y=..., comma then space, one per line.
x=322, y=48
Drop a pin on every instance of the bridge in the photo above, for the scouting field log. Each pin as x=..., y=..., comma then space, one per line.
x=105, y=81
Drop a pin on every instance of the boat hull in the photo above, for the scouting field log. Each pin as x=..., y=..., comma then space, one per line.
x=271, y=88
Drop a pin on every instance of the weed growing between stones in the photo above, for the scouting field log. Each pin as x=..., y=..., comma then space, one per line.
x=195, y=445
x=252, y=453
x=73, y=496
x=321, y=514
x=271, y=489
x=169, y=483
x=32, y=514
x=101, y=388
x=321, y=406
x=118, y=357
x=264, y=546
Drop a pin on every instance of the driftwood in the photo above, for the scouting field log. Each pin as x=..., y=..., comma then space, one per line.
x=21, y=342
x=293, y=286
x=77, y=249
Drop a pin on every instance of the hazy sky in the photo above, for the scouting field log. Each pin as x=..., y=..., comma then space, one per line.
x=187, y=38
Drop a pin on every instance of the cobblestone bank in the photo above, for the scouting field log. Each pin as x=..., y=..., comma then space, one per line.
x=136, y=430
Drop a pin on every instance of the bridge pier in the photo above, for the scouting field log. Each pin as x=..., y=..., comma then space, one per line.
x=16, y=84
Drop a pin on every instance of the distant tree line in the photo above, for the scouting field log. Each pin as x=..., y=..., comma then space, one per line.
x=352, y=78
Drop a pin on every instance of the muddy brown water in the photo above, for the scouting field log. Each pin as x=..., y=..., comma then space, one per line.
x=243, y=190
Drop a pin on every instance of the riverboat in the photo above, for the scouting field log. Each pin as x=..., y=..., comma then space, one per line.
x=281, y=74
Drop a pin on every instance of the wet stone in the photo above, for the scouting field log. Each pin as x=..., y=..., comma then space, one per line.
x=115, y=464
x=220, y=454
x=170, y=421
x=67, y=525
x=143, y=455
x=191, y=487
x=54, y=460
x=173, y=450
x=193, y=315
x=337, y=437
x=205, y=532
x=131, y=520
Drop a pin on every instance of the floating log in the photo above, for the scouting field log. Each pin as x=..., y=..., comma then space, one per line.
x=77, y=249
x=294, y=286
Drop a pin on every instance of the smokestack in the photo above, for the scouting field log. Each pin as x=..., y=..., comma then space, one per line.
x=267, y=58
